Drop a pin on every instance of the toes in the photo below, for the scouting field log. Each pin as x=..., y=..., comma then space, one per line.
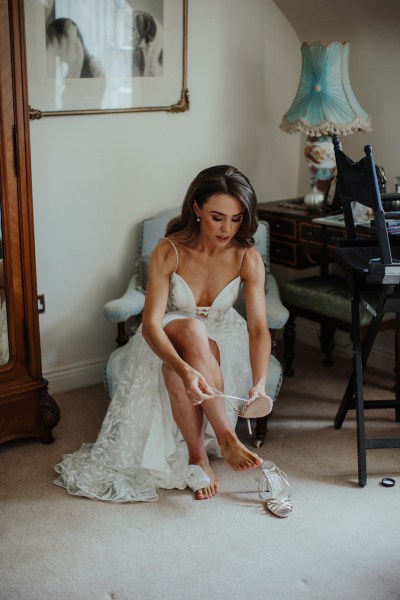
x=211, y=491
x=251, y=463
x=205, y=493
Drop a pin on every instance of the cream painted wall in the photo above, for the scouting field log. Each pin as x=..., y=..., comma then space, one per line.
x=95, y=177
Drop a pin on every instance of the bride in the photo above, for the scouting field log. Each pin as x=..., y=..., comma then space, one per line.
x=181, y=377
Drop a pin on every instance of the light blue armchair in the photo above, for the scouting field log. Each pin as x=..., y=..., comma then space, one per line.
x=130, y=305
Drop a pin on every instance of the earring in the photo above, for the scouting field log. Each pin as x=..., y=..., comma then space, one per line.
x=198, y=219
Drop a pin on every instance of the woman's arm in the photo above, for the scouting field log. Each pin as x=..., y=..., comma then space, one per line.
x=253, y=275
x=162, y=265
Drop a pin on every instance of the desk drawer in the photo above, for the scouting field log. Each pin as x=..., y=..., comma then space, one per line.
x=283, y=253
x=315, y=234
x=334, y=234
x=282, y=227
x=311, y=233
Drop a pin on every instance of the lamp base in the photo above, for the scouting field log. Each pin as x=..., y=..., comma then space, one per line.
x=320, y=159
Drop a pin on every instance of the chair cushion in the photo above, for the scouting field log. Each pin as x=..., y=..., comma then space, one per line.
x=262, y=239
x=328, y=296
x=152, y=230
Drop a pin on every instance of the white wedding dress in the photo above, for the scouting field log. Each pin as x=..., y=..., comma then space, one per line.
x=139, y=447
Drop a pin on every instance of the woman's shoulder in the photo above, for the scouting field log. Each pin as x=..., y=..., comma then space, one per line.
x=251, y=254
x=252, y=261
x=165, y=254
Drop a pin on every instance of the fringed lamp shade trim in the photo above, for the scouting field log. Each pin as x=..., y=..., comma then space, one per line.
x=327, y=128
x=325, y=103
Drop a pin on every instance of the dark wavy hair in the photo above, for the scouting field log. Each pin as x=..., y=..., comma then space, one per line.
x=221, y=179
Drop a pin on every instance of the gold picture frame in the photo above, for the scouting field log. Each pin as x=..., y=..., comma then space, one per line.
x=106, y=56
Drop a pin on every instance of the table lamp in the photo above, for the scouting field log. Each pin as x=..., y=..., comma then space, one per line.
x=324, y=105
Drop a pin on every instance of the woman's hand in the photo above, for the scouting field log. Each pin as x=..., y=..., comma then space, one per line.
x=197, y=388
x=257, y=390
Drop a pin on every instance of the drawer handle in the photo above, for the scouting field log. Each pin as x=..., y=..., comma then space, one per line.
x=277, y=225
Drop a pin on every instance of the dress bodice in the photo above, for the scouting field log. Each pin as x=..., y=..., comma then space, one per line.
x=181, y=298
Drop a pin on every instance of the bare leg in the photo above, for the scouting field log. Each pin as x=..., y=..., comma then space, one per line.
x=189, y=337
x=189, y=419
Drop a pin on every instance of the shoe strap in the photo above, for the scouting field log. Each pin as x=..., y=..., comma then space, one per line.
x=218, y=394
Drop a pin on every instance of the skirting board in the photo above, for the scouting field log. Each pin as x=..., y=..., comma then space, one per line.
x=381, y=358
x=74, y=376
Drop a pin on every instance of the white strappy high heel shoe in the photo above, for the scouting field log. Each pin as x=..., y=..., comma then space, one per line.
x=254, y=408
x=274, y=488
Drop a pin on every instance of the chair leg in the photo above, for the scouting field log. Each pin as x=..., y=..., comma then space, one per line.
x=359, y=395
x=348, y=400
x=289, y=337
x=261, y=431
x=327, y=345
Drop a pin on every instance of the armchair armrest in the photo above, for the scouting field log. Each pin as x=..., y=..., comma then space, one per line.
x=129, y=305
x=277, y=314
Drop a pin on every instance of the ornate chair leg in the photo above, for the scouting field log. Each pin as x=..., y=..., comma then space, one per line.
x=289, y=337
x=327, y=345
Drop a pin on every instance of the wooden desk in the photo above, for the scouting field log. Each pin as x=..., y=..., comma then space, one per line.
x=296, y=241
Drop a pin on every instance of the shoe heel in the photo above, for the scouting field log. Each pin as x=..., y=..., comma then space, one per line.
x=249, y=426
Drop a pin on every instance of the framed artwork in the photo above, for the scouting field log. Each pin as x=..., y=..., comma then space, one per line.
x=106, y=56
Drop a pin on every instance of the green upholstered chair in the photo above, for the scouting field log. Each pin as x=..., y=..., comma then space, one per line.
x=325, y=299
x=130, y=305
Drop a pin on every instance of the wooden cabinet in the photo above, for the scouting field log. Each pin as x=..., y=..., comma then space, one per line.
x=26, y=408
x=296, y=241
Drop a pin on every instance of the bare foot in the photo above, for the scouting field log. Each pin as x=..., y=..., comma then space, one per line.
x=209, y=491
x=237, y=455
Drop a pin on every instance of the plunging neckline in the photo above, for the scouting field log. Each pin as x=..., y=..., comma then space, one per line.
x=216, y=297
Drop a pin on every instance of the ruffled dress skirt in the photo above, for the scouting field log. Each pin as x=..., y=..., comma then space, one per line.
x=139, y=448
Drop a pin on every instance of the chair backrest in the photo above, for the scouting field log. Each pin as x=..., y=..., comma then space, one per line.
x=358, y=183
x=152, y=230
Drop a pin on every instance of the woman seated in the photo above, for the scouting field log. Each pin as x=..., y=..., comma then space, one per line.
x=173, y=404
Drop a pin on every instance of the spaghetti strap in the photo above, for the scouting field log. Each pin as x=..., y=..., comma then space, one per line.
x=176, y=252
x=241, y=260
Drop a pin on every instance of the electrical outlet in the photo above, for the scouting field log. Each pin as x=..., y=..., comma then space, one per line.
x=41, y=303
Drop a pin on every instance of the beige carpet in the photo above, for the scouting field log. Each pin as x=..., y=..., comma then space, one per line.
x=341, y=541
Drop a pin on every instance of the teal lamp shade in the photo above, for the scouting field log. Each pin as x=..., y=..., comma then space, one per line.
x=324, y=105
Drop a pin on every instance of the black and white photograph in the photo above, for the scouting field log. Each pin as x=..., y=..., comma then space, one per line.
x=106, y=55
